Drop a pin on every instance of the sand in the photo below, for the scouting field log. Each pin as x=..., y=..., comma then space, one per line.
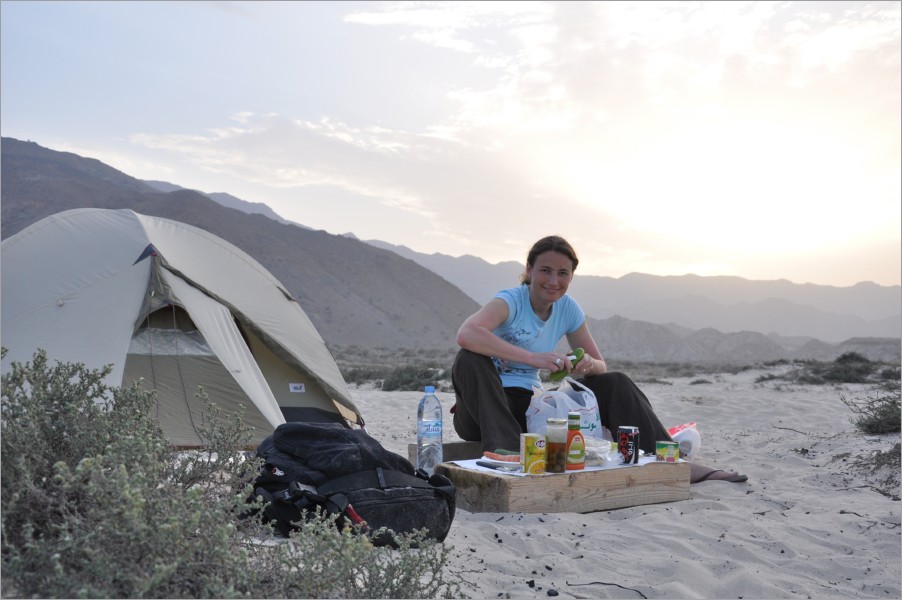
x=806, y=524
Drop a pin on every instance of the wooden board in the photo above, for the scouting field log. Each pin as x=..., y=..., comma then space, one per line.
x=450, y=451
x=579, y=492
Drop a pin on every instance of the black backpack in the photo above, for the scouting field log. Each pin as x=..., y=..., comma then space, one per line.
x=346, y=472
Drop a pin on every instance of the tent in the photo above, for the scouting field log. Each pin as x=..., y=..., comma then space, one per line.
x=174, y=305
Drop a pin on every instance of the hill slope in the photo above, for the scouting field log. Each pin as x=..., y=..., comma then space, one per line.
x=367, y=300
x=353, y=293
x=729, y=304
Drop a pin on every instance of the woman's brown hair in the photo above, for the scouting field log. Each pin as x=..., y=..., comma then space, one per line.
x=552, y=243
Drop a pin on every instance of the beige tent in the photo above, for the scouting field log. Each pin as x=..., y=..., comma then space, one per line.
x=174, y=305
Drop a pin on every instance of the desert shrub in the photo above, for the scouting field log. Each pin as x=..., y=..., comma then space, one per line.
x=412, y=378
x=890, y=458
x=652, y=380
x=361, y=375
x=851, y=358
x=337, y=565
x=851, y=367
x=95, y=503
x=767, y=377
x=809, y=376
x=880, y=413
x=883, y=469
x=646, y=372
x=681, y=370
x=890, y=373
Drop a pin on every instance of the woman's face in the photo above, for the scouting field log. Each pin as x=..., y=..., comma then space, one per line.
x=550, y=276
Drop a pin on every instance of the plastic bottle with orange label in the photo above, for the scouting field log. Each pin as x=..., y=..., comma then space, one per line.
x=576, y=443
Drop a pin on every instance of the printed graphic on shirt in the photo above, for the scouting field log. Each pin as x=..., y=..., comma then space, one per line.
x=521, y=338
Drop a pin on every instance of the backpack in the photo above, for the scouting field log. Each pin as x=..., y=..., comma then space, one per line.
x=347, y=473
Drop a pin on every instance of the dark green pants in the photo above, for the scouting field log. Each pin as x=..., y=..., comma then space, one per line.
x=488, y=412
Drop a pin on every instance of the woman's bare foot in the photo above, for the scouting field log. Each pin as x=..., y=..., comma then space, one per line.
x=699, y=473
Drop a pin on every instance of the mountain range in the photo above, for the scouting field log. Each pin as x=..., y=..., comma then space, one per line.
x=729, y=304
x=375, y=296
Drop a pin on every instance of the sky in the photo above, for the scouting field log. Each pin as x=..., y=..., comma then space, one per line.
x=754, y=139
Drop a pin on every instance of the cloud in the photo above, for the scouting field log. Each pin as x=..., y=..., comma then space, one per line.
x=653, y=134
x=291, y=154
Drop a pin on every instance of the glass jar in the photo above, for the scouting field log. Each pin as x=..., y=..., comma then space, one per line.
x=555, y=445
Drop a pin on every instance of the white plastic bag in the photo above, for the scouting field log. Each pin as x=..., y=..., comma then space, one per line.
x=689, y=439
x=571, y=396
x=601, y=452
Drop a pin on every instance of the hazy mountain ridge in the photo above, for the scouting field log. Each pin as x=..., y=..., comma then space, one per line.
x=227, y=200
x=726, y=303
x=354, y=293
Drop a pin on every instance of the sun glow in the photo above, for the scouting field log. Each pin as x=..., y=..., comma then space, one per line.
x=774, y=187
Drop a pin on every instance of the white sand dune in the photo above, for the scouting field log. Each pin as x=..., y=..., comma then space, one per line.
x=805, y=525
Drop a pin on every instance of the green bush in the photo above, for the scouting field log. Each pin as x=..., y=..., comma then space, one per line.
x=95, y=503
x=879, y=414
x=851, y=358
x=850, y=367
x=412, y=378
x=363, y=375
x=890, y=373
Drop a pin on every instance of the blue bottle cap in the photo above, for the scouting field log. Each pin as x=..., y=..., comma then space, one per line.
x=430, y=389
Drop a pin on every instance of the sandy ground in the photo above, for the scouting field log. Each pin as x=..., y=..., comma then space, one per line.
x=806, y=524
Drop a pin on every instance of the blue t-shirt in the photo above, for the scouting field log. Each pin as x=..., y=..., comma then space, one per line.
x=524, y=329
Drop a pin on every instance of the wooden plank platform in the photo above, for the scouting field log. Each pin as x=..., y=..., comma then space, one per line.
x=450, y=451
x=580, y=492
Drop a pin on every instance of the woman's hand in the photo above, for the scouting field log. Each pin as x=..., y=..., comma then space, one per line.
x=561, y=362
x=589, y=365
x=593, y=362
x=549, y=360
x=584, y=367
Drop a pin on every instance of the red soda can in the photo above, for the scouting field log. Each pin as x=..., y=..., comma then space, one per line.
x=628, y=443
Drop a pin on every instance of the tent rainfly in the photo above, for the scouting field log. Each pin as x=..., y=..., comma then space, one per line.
x=174, y=305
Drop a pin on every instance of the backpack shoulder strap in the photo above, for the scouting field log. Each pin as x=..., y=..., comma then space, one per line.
x=380, y=478
x=376, y=478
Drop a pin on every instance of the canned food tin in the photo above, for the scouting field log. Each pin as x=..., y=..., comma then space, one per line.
x=628, y=443
x=667, y=451
x=532, y=452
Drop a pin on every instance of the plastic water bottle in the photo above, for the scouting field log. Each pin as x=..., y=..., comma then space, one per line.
x=429, y=431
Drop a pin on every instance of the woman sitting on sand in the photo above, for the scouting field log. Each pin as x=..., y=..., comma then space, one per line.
x=506, y=342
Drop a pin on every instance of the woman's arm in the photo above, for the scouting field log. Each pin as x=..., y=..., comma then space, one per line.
x=476, y=335
x=593, y=362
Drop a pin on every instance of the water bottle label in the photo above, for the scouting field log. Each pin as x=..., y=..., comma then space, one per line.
x=430, y=429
